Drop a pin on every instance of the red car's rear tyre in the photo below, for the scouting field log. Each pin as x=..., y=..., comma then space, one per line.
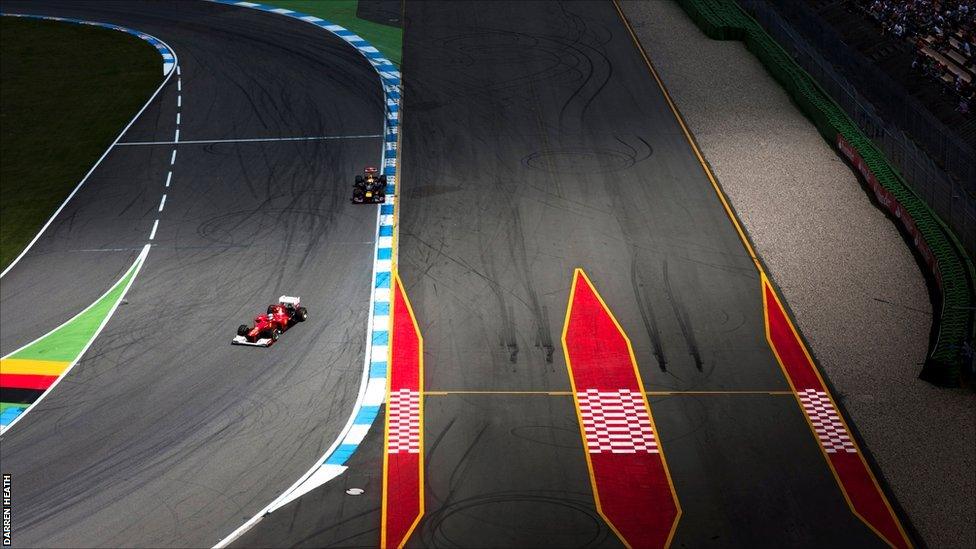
x=301, y=315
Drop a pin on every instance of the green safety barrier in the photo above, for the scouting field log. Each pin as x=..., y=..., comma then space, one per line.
x=950, y=267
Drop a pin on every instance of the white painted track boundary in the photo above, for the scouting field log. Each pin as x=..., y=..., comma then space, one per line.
x=169, y=74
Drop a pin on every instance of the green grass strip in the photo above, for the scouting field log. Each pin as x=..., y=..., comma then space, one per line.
x=66, y=91
x=69, y=340
x=387, y=39
x=5, y=405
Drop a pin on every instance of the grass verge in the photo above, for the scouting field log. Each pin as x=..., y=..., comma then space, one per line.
x=385, y=38
x=66, y=91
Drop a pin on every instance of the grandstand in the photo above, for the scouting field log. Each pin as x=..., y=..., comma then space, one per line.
x=924, y=45
x=943, y=34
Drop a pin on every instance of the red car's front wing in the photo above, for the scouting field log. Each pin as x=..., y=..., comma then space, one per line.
x=260, y=342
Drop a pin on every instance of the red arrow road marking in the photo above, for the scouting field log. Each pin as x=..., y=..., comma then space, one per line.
x=856, y=481
x=403, y=440
x=631, y=483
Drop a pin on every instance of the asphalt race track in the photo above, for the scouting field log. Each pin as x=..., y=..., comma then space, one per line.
x=537, y=141
x=534, y=141
x=165, y=434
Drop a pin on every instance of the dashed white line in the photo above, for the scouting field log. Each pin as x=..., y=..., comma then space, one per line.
x=172, y=158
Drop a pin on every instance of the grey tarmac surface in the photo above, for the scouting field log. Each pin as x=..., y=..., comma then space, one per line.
x=329, y=516
x=534, y=141
x=165, y=434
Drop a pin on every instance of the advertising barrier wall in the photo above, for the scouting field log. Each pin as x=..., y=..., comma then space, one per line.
x=890, y=203
x=942, y=255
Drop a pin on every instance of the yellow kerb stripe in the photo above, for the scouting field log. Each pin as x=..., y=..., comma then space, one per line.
x=32, y=367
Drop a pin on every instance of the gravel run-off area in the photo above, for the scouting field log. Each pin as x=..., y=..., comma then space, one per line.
x=855, y=289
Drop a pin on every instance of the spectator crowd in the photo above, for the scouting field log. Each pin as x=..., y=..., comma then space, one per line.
x=944, y=35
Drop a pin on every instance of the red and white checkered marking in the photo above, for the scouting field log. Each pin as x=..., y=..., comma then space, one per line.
x=616, y=422
x=826, y=422
x=404, y=410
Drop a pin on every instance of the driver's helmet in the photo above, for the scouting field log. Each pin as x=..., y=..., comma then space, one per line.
x=370, y=170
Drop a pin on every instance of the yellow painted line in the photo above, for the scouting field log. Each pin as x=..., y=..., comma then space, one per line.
x=570, y=393
x=33, y=367
x=500, y=393
x=691, y=141
x=764, y=277
x=718, y=393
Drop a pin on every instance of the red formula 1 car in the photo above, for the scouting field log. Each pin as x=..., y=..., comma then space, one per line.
x=370, y=188
x=268, y=327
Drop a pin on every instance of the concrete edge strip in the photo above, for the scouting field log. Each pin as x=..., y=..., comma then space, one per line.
x=169, y=61
x=372, y=390
x=131, y=273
